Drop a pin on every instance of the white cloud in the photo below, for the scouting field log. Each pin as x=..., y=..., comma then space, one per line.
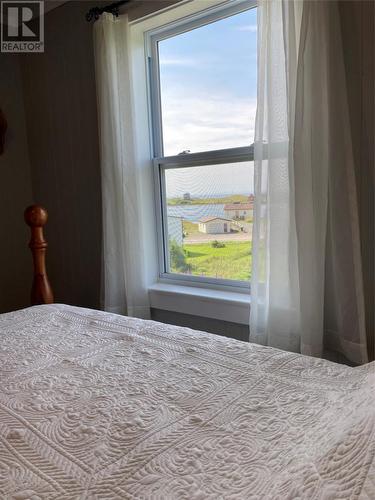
x=178, y=62
x=202, y=123
x=248, y=27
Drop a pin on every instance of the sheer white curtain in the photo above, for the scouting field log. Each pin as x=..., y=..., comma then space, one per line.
x=307, y=293
x=123, y=289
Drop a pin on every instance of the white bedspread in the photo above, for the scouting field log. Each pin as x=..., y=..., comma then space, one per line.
x=98, y=406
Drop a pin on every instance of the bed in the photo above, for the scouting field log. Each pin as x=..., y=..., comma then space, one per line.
x=100, y=406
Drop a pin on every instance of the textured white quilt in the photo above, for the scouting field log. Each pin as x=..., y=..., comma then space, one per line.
x=98, y=406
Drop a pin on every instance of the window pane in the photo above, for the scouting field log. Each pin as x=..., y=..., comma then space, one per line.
x=208, y=86
x=209, y=220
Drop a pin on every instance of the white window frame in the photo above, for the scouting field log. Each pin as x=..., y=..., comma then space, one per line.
x=162, y=163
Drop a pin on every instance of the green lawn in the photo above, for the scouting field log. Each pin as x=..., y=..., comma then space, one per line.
x=231, y=262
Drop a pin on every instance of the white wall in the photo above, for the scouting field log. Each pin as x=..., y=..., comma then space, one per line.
x=214, y=227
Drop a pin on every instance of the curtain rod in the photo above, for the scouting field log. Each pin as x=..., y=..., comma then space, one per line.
x=96, y=12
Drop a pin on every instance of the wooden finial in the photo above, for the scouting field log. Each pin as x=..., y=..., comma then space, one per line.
x=41, y=291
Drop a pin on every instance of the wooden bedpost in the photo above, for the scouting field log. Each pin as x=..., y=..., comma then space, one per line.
x=41, y=291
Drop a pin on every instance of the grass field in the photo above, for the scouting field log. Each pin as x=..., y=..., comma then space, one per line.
x=242, y=198
x=189, y=228
x=231, y=262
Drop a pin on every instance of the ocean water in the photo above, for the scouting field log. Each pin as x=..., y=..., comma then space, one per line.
x=193, y=213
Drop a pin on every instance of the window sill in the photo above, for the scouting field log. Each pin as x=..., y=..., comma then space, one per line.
x=205, y=302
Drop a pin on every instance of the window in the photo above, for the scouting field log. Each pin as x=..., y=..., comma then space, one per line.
x=203, y=104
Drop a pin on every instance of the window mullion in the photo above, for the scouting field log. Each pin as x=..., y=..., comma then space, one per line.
x=208, y=158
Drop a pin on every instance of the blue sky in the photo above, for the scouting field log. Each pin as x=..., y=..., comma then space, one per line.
x=208, y=85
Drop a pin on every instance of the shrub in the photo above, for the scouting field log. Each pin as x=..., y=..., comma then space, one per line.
x=178, y=258
x=217, y=244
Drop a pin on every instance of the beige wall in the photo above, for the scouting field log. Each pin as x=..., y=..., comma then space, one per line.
x=141, y=8
x=60, y=103
x=15, y=192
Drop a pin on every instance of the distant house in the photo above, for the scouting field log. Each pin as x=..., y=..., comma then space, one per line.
x=239, y=210
x=175, y=229
x=187, y=197
x=214, y=225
